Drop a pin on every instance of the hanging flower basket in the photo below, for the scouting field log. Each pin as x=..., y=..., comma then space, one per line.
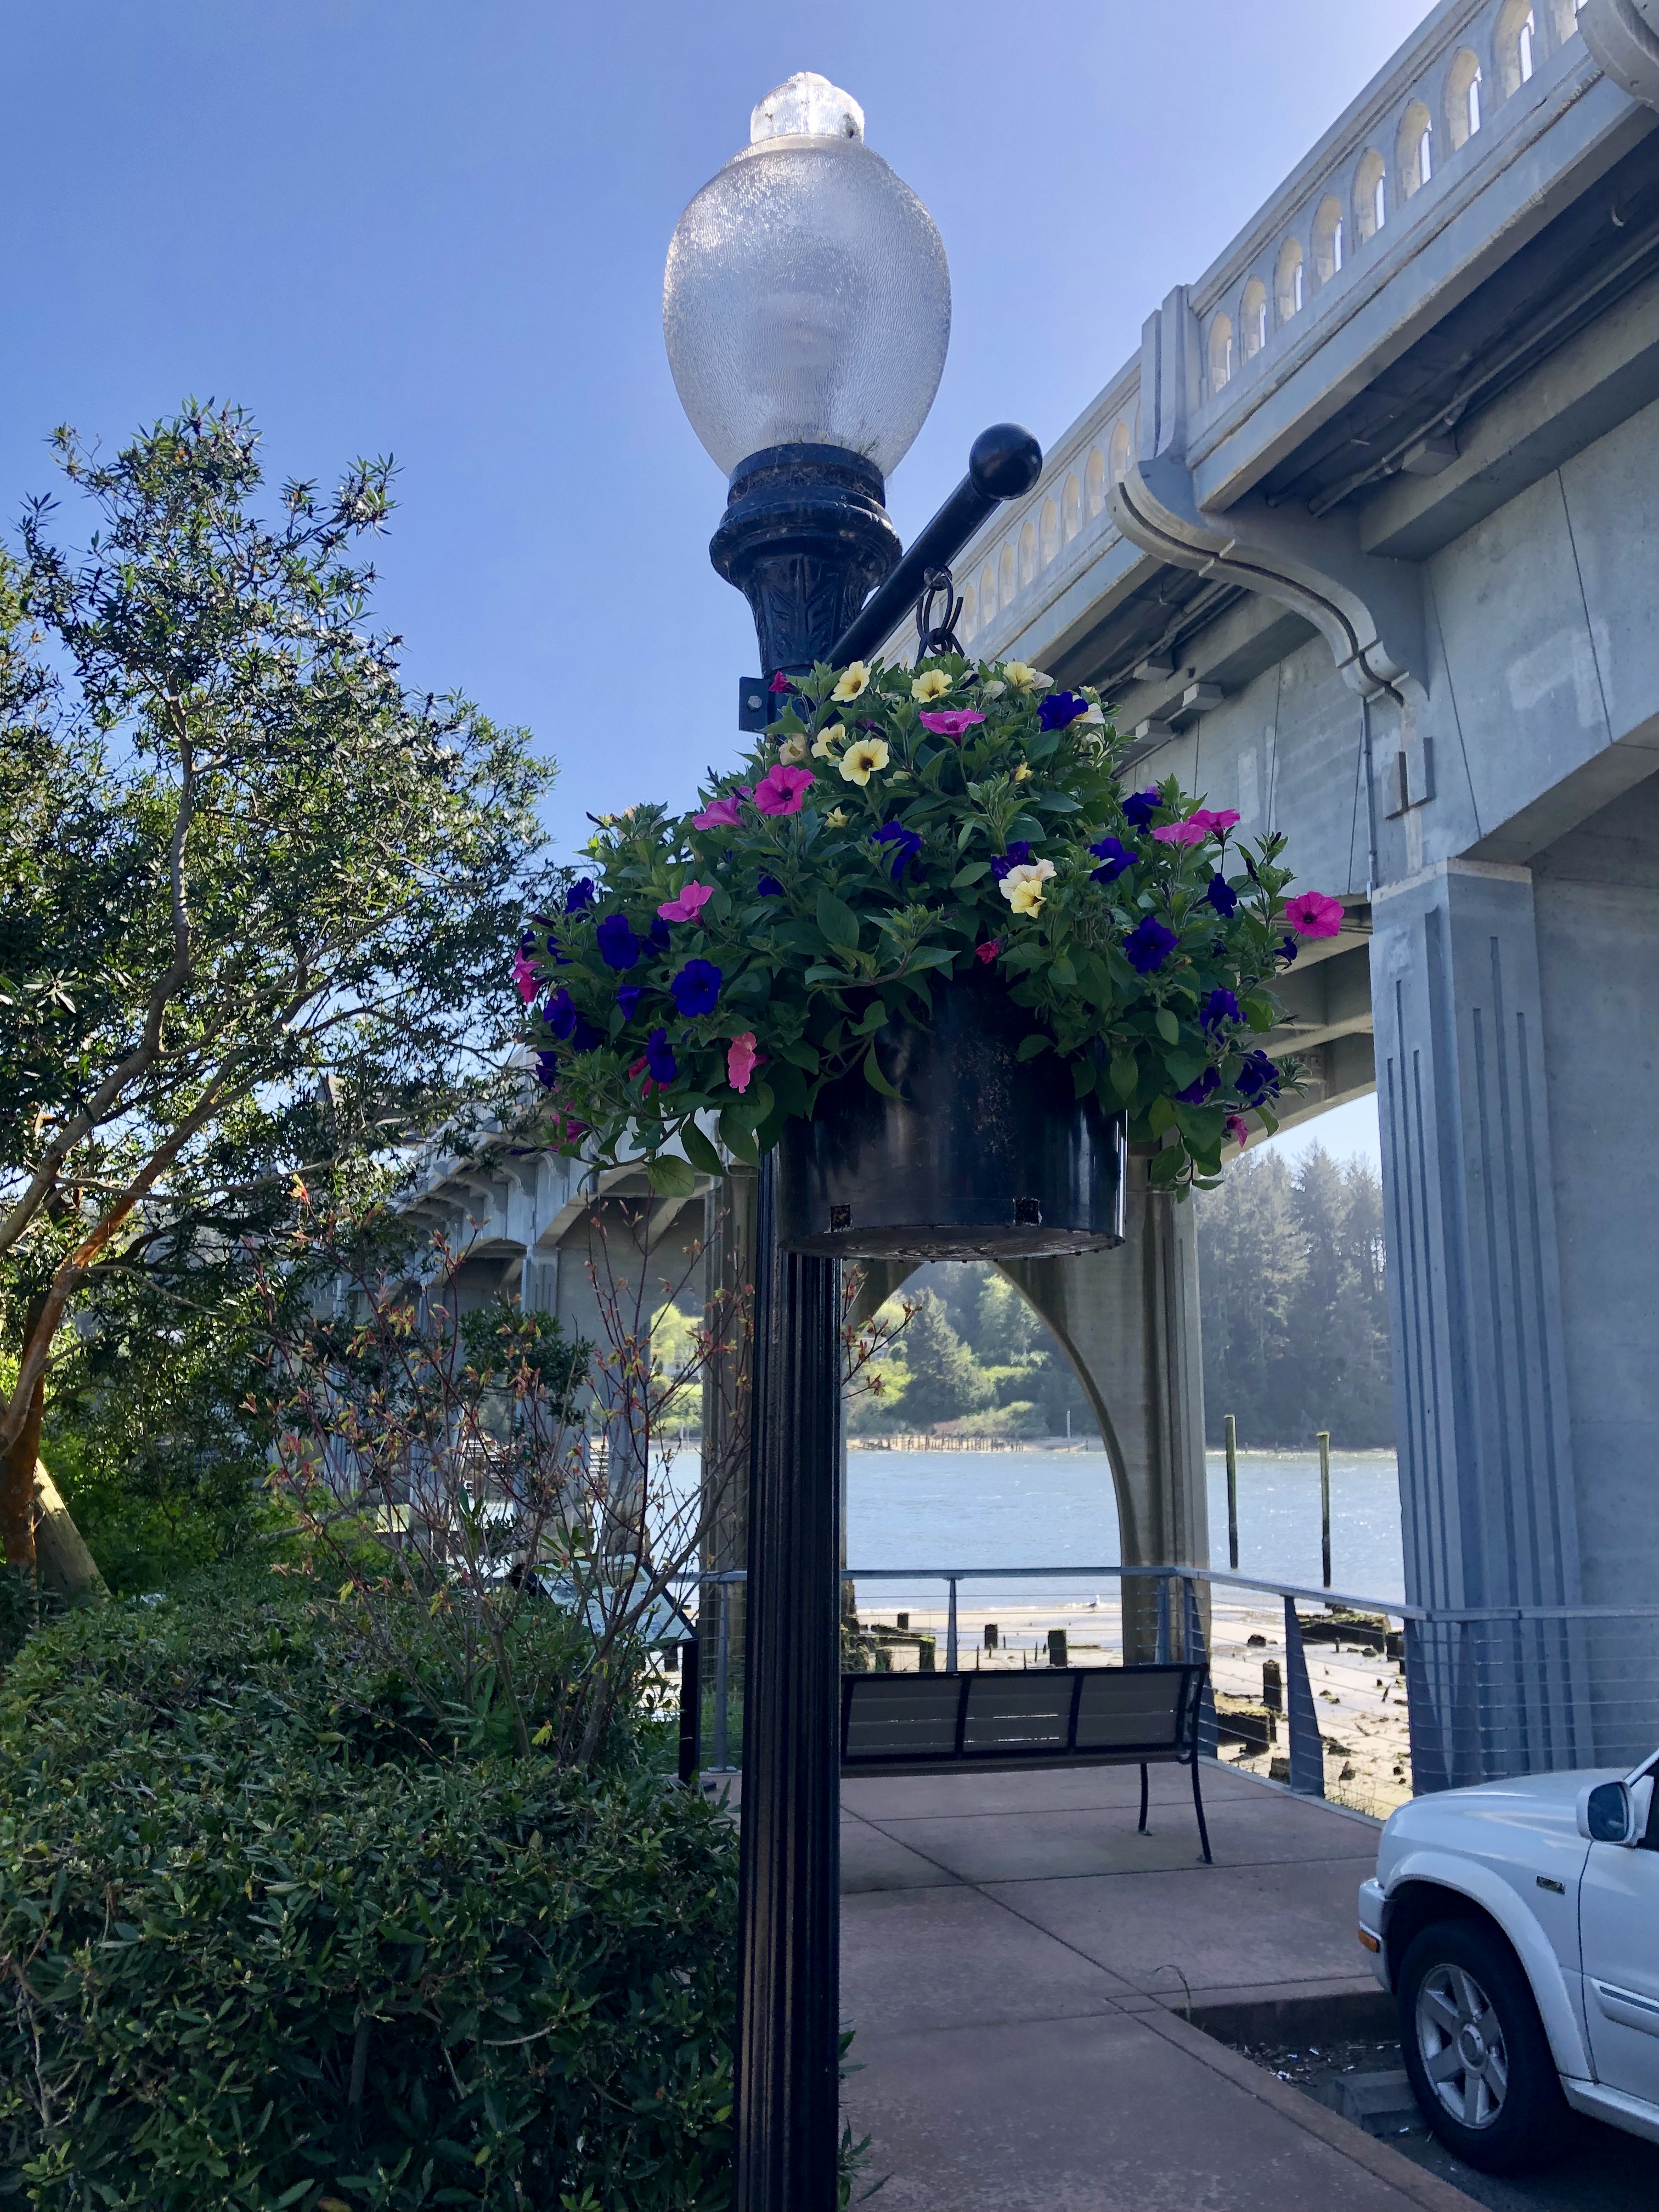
x=979, y=1156
x=925, y=914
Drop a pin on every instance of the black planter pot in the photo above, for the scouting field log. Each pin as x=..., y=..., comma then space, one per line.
x=982, y=1156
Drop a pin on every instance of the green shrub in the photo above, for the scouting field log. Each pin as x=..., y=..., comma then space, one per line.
x=269, y=1939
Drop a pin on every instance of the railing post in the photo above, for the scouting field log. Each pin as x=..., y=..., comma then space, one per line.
x=1197, y=1654
x=1161, y=1650
x=690, y=1709
x=1230, y=1433
x=1307, y=1753
x=722, y=1675
x=950, y=1632
x=1325, y=1503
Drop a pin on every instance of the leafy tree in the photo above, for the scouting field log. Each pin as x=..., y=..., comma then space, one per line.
x=255, y=890
x=945, y=1378
x=1295, y=1310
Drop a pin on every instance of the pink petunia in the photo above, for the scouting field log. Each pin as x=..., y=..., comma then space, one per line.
x=1238, y=1129
x=1189, y=832
x=780, y=682
x=988, y=952
x=782, y=790
x=953, y=722
x=719, y=814
x=525, y=976
x=1216, y=821
x=689, y=904
x=1314, y=914
x=742, y=1060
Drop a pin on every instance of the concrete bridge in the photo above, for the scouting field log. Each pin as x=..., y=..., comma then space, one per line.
x=1361, y=543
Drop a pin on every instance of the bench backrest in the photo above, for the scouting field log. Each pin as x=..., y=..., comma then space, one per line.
x=1128, y=1713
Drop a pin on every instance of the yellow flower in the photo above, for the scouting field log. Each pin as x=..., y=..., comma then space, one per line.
x=851, y=681
x=1025, y=677
x=993, y=689
x=792, y=749
x=836, y=817
x=932, y=684
x=831, y=734
x=1022, y=773
x=860, y=761
x=1023, y=886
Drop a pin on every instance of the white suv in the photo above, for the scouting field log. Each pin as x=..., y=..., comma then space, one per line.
x=1517, y=1924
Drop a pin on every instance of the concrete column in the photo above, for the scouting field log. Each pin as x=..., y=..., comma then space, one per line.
x=1487, y=1463
x=1129, y=1322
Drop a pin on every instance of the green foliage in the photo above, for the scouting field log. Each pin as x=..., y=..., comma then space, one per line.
x=270, y=1940
x=946, y=1379
x=253, y=890
x=858, y=860
x=1296, y=1318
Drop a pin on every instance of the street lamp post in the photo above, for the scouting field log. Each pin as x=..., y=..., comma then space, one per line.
x=806, y=308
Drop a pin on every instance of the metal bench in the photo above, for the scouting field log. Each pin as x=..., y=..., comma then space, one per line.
x=1001, y=1720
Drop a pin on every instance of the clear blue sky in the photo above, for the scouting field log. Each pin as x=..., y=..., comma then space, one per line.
x=436, y=228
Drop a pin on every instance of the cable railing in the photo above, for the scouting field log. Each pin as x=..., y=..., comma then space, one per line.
x=1363, y=1700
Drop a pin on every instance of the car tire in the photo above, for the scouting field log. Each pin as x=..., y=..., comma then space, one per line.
x=1475, y=2047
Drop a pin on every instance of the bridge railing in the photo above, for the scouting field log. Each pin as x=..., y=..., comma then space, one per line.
x=1363, y=1700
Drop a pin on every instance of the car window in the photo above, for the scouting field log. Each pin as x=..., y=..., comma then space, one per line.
x=1649, y=1838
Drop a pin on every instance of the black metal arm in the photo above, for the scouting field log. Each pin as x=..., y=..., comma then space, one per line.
x=1005, y=462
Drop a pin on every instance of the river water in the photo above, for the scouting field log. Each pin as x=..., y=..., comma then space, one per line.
x=1036, y=1508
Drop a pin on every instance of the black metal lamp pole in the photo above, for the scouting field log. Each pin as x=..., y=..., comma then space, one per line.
x=806, y=538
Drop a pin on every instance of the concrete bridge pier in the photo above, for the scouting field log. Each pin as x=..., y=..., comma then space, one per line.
x=1129, y=1322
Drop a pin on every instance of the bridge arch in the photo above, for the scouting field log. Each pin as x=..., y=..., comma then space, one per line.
x=988, y=592
x=1220, y=352
x=1006, y=586
x=1071, y=508
x=1048, y=534
x=1328, y=241
x=1096, y=469
x=1371, y=195
x=1515, y=45
x=1252, y=317
x=1290, y=278
x=1414, y=153
x=1462, y=98
x=1027, y=557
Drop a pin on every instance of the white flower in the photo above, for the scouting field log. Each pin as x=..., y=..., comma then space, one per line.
x=993, y=689
x=792, y=749
x=1023, y=886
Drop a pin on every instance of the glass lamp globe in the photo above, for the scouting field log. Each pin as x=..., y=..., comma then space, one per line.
x=807, y=298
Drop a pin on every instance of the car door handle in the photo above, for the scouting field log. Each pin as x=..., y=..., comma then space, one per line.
x=1627, y=2007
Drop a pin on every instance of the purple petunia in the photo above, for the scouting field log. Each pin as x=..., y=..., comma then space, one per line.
x=659, y=1058
x=1114, y=856
x=1257, y=1079
x=1019, y=855
x=659, y=936
x=1220, y=1006
x=906, y=844
x=1196, y=1093
x=628, y=998
x=1139, y=808
x=1221, y=896
x=618, y=946
x=1288, y=949
x=767, y=887
x=582, y=893
x=1059, y=707
x=1149, y=945
x=696, y=987
x=560, y=1012
x=547, y=1069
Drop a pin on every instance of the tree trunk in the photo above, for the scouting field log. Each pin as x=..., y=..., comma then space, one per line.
x=17, y=1470
x=67, y=1567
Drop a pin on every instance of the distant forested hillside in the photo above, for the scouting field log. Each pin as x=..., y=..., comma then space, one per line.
x=1296, y=1318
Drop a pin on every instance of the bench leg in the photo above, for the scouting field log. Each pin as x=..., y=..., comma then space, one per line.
x=1198, y=1807
x=1143, y=1800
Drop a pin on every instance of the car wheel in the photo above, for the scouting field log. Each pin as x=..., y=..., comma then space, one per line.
x=1475, y=2049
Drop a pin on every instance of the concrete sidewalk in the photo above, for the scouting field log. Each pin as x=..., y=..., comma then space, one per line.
x=1013, y=1955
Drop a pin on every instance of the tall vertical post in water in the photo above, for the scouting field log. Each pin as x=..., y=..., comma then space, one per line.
x=1230, y=1432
